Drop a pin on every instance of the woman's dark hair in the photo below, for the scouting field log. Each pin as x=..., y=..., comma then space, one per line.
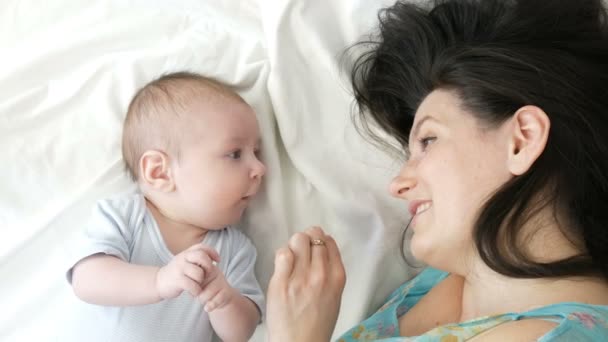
x=498, y=56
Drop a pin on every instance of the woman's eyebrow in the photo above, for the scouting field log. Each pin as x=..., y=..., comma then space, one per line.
x=416, y=128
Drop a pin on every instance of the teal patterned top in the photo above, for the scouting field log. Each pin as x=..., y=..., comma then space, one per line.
x=575, y=321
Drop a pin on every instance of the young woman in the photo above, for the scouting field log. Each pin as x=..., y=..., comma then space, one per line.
x=502, y=110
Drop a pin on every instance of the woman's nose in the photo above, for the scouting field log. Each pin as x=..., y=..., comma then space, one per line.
x=401, y=184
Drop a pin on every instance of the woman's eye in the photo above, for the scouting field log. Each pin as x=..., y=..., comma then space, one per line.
x=235, y=154
x=425, y=142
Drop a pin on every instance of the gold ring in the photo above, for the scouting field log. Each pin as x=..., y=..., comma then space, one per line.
x=317, y=242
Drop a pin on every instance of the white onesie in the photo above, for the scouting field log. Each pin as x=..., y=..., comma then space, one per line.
x=124, y=227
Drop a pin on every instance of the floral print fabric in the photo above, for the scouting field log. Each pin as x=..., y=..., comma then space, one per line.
x=575, y=321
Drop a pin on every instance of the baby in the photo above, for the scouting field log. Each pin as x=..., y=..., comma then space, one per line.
x=164, y=264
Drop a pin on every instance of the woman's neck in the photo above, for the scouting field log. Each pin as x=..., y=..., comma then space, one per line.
x=487, y=293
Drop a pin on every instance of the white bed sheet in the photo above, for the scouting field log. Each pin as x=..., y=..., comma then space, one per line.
x=68, y=71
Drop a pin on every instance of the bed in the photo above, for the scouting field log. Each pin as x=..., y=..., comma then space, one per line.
x=68, y=71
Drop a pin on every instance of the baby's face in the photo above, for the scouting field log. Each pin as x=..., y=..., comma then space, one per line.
x=218, y=170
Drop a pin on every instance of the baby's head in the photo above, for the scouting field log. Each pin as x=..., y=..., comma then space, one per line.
x=192, y=146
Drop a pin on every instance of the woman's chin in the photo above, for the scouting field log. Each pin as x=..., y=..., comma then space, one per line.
x=420, y=248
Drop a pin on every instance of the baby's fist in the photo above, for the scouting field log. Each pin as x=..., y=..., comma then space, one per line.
x=217, y=293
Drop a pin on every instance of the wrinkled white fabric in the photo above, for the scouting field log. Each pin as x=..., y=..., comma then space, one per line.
x=68, y=70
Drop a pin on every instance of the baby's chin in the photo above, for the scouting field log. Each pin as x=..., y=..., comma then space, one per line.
x=221, y=223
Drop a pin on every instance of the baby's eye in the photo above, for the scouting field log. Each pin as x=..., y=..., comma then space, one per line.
x=235, y=155
x=426, y=141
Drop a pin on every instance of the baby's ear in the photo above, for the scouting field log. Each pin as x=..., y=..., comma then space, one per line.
x=155, y=171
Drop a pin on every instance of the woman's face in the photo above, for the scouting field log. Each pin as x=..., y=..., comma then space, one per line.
x=454, y=164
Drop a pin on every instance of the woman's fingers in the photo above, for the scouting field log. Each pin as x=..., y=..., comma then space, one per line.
x=300, y=247
x=335, y=262
x=326, y=265
x=283, y=265
x=319, y=255
x=303, y=294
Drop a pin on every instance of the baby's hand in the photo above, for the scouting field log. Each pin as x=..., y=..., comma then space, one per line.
x=216, y=292
x=186, y=272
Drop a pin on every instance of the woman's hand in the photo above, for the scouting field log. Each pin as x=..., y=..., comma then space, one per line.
x=305, y=290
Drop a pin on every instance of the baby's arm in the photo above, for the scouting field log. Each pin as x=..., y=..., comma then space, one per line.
x=233, y=316
x=107, y=280
x=237, y=320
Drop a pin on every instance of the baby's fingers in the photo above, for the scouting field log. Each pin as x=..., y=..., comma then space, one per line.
x=191, y=286
x=218, y=301
x=212, y=253
x=206, y=296
x=199, y=257
x=195, y=273
x=209, y=251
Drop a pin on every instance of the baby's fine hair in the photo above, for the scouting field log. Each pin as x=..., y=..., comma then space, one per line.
x=157, y=109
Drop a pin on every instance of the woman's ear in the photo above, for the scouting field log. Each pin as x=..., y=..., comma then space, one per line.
x=155, y=171
x=530, y=132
